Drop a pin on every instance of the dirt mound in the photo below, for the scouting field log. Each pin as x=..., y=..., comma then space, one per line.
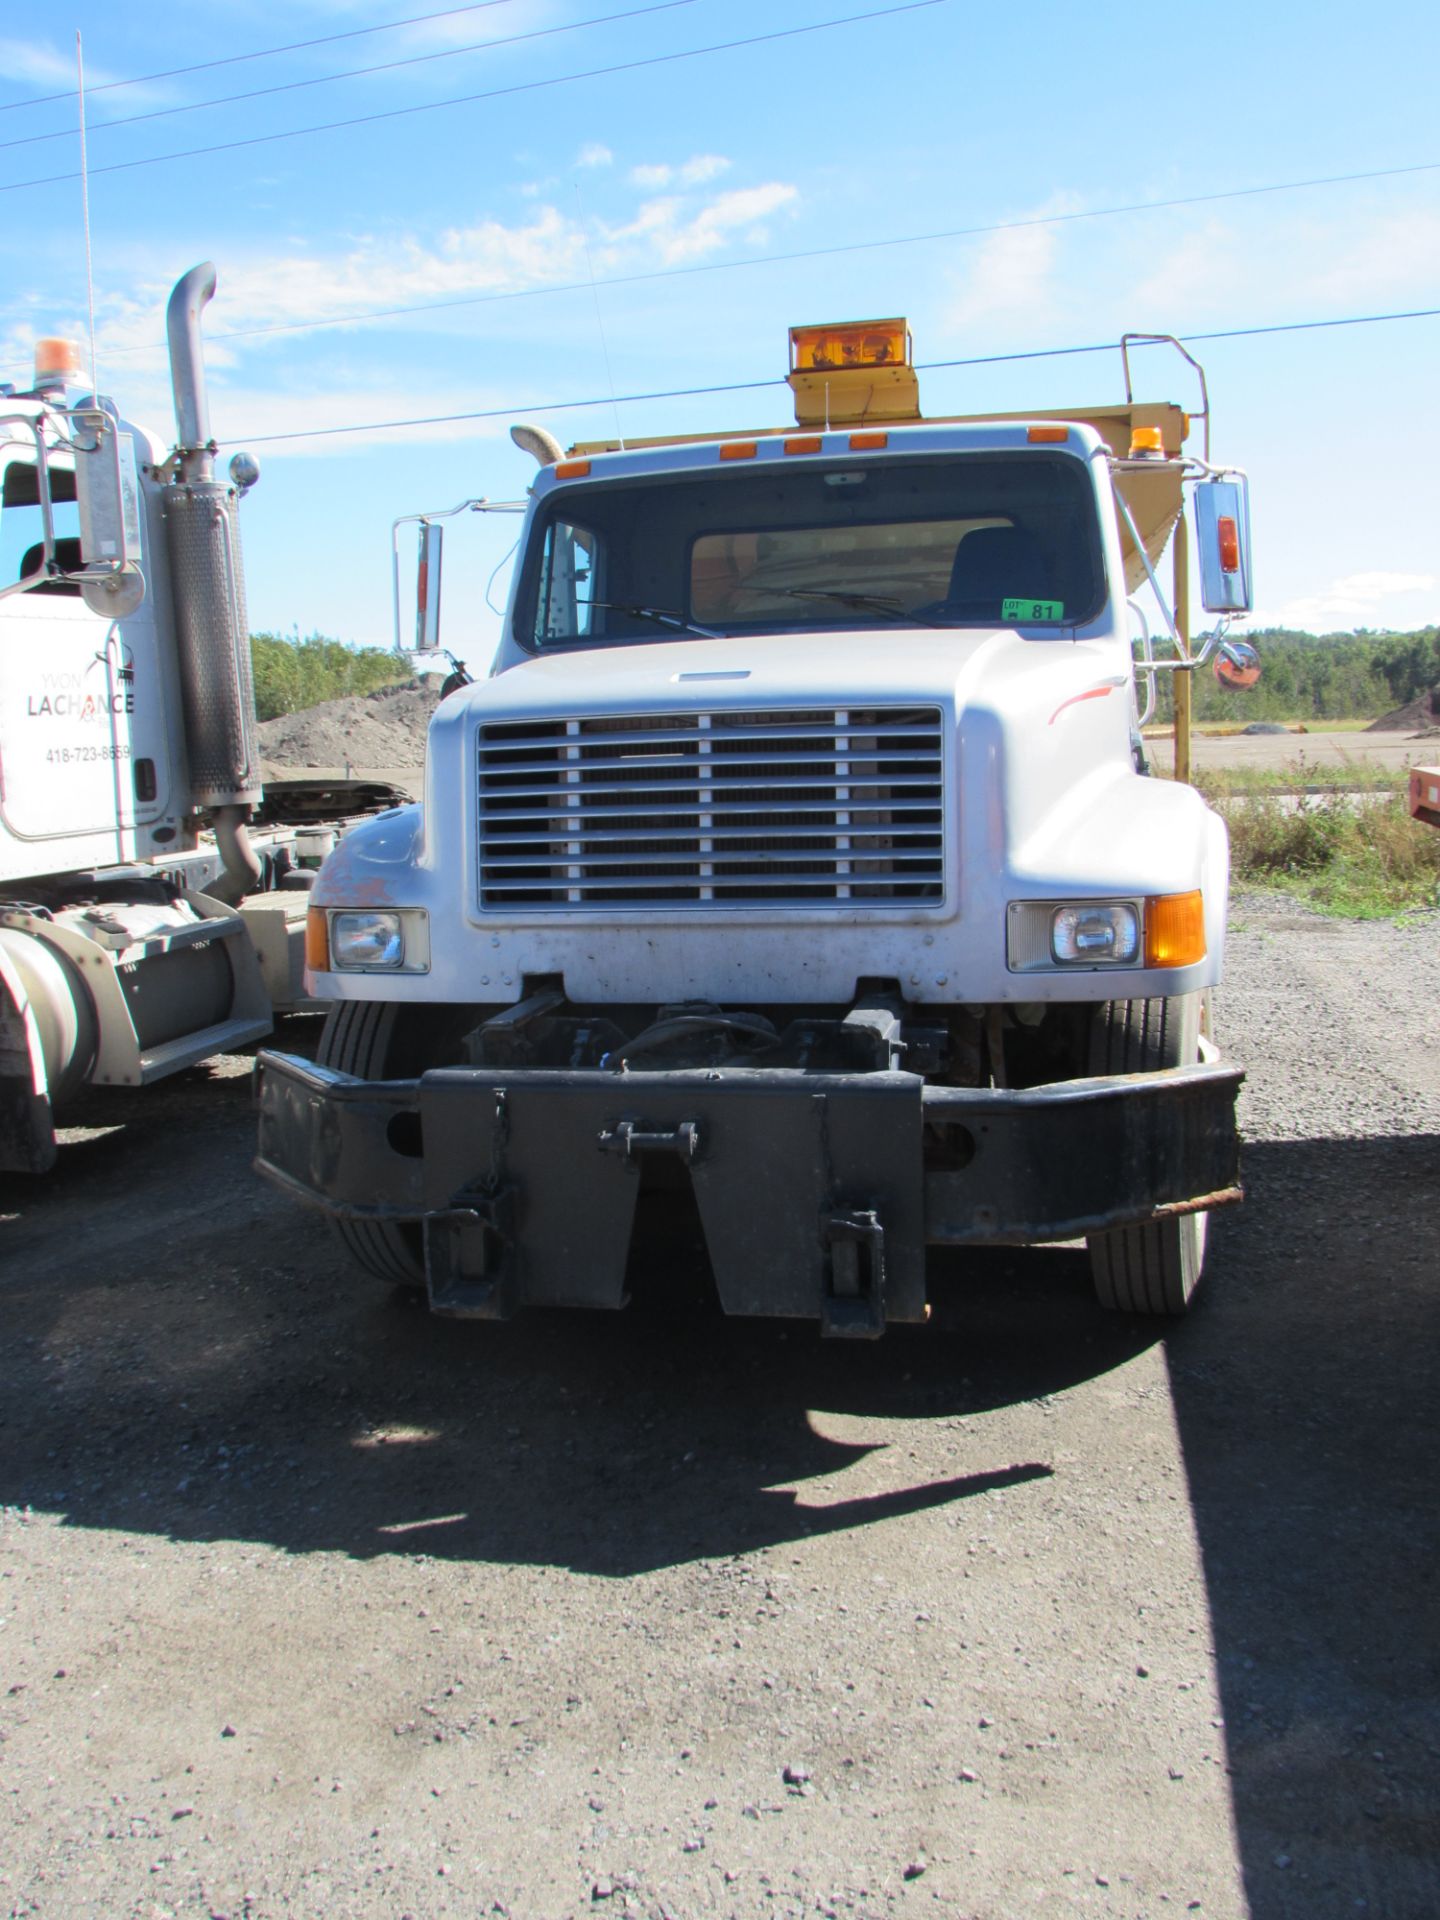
x=373, y=730
x=1422, y=711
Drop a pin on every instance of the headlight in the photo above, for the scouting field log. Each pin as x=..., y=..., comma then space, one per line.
x=366, y=940
x=1090, y=933
x=1047, y=935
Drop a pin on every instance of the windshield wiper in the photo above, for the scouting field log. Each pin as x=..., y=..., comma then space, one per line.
x=884, y=603
x=660, y=615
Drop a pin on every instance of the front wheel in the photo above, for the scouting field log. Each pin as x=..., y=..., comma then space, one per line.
x=385, y=1040
x=1155, y=1267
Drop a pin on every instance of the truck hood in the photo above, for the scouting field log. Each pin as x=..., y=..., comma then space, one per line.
x=828, y=668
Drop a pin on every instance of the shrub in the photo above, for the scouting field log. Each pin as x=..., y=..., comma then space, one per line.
x=293, y=673
x=1348, y=853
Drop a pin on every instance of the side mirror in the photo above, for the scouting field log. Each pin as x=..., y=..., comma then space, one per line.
x=1237, y=665
x=107, y=491
x=1222, y=538
x=427, y=588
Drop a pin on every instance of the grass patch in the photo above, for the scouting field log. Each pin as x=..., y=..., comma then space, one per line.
x=1353, y=851
x=1302, y=776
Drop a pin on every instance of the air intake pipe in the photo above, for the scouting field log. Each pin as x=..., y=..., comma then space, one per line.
x=208, y=584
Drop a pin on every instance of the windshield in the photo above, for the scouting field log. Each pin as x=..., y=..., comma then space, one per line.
x=958, y=540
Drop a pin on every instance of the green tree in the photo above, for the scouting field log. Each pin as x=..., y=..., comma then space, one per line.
x=1317, y=677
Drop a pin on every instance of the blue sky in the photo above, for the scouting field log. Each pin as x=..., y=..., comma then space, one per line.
x=1031, y=122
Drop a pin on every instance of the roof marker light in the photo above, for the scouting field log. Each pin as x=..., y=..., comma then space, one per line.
x=571, y=469
x=864, y=442
x=1047, y=436
x=804, y=443
x=738, y=449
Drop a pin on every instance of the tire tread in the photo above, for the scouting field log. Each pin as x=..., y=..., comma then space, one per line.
x=1143, y=1269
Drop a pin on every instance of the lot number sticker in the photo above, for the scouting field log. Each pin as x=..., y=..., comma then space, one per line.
x=1029, y=610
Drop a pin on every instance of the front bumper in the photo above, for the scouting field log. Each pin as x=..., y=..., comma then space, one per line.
x=818, y=1192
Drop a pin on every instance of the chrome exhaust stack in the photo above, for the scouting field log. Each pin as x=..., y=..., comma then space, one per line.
x=211, y=625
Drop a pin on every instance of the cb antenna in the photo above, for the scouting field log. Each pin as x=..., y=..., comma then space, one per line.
x=85, y=208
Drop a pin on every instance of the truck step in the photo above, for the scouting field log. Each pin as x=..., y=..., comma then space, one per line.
x=191, y=1048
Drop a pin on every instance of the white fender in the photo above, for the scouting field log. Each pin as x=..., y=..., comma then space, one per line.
x=27, y=1130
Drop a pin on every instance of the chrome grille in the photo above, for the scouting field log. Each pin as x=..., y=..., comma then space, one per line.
x=827, y=807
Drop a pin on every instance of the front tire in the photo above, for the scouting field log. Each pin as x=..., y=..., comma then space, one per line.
x=1155, y=1267
x=386, y=1040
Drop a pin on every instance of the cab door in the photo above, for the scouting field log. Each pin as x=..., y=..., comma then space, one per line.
x=81, y=723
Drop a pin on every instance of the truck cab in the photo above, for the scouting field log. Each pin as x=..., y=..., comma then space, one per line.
x=800, y=845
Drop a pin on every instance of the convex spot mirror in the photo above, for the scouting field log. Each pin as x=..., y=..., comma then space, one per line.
x=1222, y=539
x=1237, y=665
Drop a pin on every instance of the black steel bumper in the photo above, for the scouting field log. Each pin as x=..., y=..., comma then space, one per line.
x=818, y=1192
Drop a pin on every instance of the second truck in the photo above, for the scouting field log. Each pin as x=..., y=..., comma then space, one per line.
x=151, y=886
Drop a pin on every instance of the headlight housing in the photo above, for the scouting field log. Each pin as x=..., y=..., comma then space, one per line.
x=1053, y=936
x=367, y=940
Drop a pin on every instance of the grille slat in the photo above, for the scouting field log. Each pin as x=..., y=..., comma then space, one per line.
x=502, y=768
x=690, y=829
x=657, y=810
x=699, y=784
x=834, y=807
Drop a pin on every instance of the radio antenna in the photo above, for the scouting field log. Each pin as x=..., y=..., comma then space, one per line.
x=599, y=317
x=85, y=208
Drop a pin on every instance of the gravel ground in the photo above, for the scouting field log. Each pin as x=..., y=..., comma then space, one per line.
x=312, y=1606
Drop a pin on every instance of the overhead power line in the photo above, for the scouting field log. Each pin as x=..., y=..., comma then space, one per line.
x=804, y=253
x=355, y=73
x=260, y=53
x=491, y=93
x=519, y=409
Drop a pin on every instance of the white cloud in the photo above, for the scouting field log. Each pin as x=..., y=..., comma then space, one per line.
x=703, y=168
x=676, y=235
x=290, y=288
x=286, y=289
x=1011, y=275
x=696, y=172
x=593, y=154
x=1354, y=600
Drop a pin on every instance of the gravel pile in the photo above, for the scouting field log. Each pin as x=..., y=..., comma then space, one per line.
x=381, y=729
x=1422, y=714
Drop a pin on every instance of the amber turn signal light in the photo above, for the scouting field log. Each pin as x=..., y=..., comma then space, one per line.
x=317, y=940
x=1175, y=929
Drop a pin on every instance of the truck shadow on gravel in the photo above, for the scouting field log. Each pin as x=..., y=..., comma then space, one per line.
x=1305, y=1395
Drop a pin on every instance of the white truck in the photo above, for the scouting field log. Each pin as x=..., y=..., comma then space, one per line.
x=148, y=917
x=799, y=846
